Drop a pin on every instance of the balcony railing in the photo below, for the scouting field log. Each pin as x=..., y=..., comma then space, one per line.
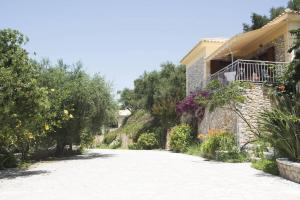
x=249, y=70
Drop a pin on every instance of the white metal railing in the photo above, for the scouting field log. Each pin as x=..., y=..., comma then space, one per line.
x=248, y=70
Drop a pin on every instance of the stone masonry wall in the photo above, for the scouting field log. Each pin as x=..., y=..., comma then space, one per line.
x=227, y=120
x=218, y=119
x=256, y=102
x=194, y=76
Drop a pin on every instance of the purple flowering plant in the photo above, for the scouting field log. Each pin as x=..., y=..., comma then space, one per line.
x=194, y=103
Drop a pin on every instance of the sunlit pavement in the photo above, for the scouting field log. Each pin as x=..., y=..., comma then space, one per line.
x=142, y=175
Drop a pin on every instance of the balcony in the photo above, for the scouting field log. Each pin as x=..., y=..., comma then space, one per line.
x=249, y=70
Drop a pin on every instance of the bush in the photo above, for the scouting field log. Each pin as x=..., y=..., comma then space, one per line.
x=281, y=125
x=147, y=141
x=115, y=144
x=194, y=149
x=218, y=141
x=109, y=137
x=180, y=138
x=232, y=156
x=7, y=161
x=133, y=146
x=268, y=166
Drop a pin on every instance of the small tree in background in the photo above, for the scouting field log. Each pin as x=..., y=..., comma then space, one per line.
x=258, y=21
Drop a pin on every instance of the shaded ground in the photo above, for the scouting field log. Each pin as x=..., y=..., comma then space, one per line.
x=142, y=175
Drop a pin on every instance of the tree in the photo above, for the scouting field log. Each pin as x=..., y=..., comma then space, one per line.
x=170, y=90
x=23, y=102
x=85, y=103
x=128, y=99
x=158, y=92
x=258, y=21
x=294, y=5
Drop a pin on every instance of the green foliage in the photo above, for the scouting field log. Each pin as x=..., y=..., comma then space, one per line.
x=232, y=156
x=138, y=122
x=294, y=5
x=229, y=97
x=157, y=92
x=169, y=91
x=42, y=105
x=24, y=104
x=180, y=137
x=147, y=141
x=268, y=166
x=222, y=141
x=133, y=146
x=281, y=125
x=194, y=149
x=258, y=21
x=261, y=146
x=128, y=99
x=110, y=137
x=117, y=143
x=226, y=96
x=7, y=161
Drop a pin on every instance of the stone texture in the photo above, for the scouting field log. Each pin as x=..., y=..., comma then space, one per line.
x=194, y=76
x=289, y=170
x=219, y=119
x=256, y=102
x=227, y=120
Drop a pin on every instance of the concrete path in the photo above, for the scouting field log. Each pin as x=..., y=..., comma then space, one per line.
x=143, y=175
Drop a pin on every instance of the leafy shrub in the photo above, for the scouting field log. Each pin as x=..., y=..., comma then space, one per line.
x=7, y=161
x=109, y=137
x=217, y=141
x=147, y=141
x=87, y=139
x=281, y=127
x=133, y=146
x=115, y=144
x=180, y=137
x=268, y=166
x=232, y=156
x=194, y=149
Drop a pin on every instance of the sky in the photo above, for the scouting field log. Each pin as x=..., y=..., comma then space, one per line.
x=121, y=39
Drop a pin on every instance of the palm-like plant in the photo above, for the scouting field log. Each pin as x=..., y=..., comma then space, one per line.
x=281, y=126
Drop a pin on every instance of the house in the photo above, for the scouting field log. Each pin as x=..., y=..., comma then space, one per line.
x=122, y=115
x=256, y=56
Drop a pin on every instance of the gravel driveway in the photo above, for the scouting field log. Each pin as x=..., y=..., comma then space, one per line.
x=142, y=175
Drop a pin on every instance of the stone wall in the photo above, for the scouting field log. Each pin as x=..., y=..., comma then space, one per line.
x=227, y=120
x=256, y=102
x=289, y=170
x=194, y=75
x=218, y=119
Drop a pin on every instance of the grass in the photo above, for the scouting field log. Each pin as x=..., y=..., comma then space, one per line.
x=268, y=166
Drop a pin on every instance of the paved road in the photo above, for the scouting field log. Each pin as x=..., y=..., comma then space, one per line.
x=143, y=175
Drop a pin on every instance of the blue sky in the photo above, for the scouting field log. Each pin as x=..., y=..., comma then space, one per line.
x=122, y=39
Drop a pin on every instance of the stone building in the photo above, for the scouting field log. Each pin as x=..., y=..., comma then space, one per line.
x=256, y=56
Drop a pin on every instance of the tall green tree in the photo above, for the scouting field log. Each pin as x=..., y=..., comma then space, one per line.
x=158, y=92
x=23, y=102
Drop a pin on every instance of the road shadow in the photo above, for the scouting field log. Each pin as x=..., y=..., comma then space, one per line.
x=85, y=156
x=14, y=173
x=88, y=156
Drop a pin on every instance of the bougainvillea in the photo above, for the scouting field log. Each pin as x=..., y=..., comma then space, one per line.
x=191, y=104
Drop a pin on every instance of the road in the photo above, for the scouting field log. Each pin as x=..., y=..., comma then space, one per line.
x=143, y=175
